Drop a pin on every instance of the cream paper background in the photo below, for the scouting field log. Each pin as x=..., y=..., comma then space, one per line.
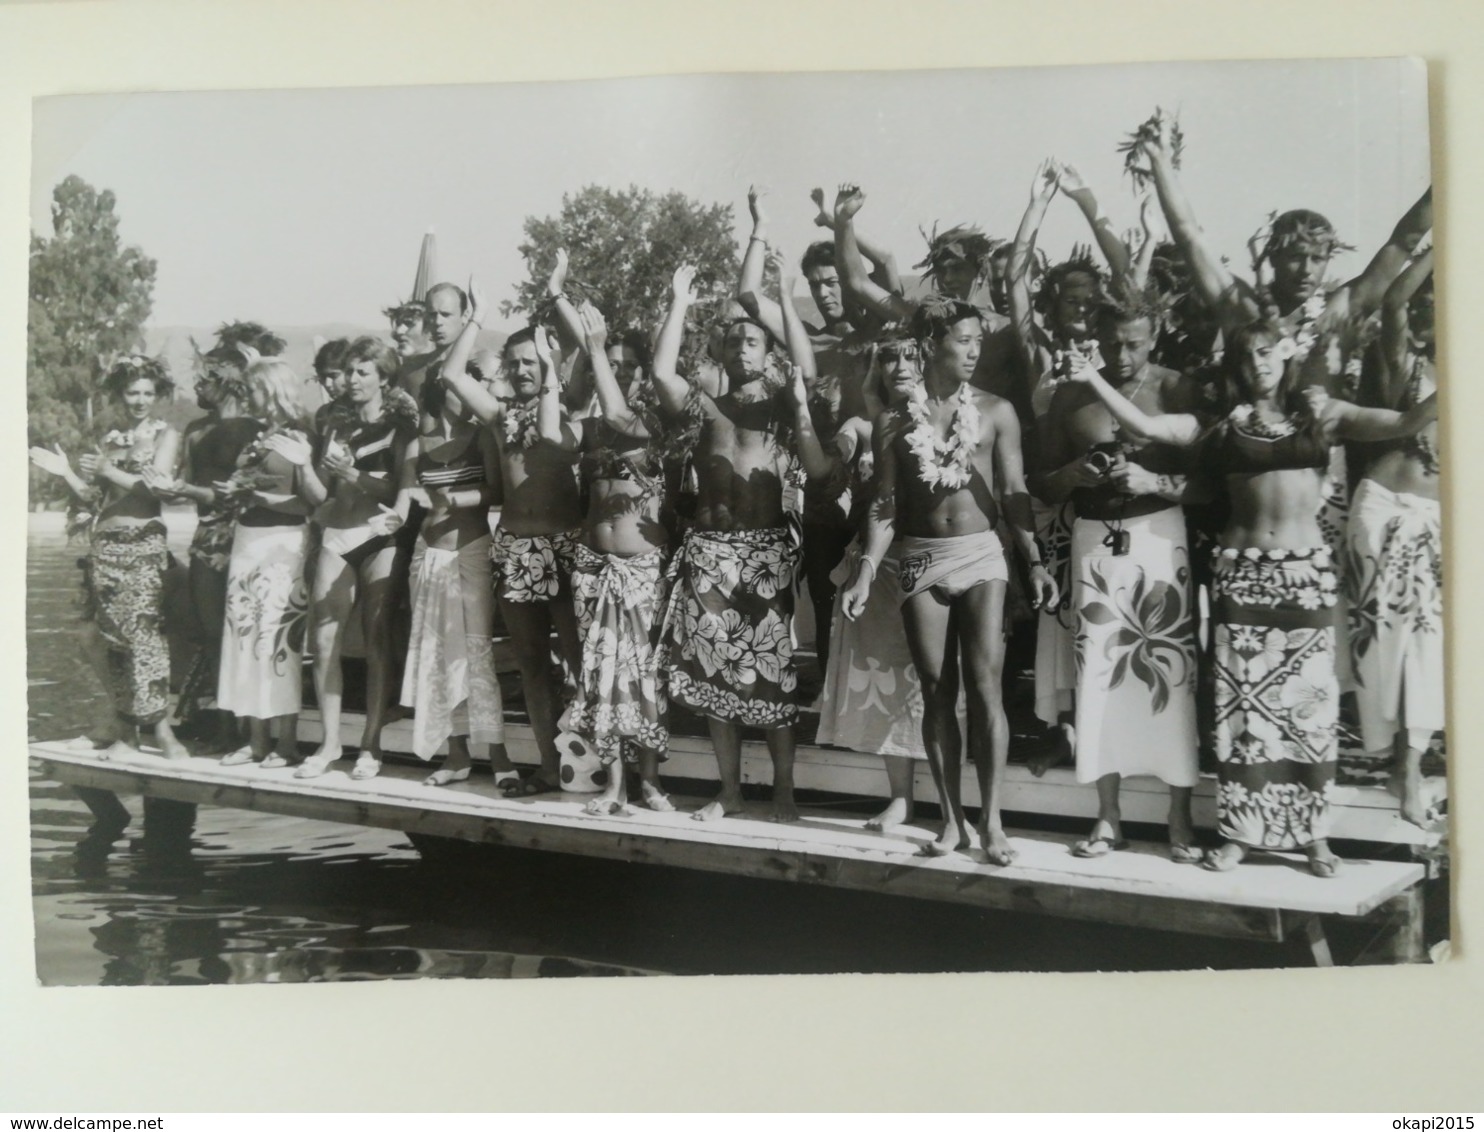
x=1395, y=1040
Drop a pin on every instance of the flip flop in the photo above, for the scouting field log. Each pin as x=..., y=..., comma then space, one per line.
x=275, y=761
x=506, y=781
x=659, y=802
x=1183, y=854
x=315, y=765
x=1099, y=846
x=239, y=757
x=445, y=777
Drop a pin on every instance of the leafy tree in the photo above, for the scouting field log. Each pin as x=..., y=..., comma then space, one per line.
x=623, y=247
x=90, y=297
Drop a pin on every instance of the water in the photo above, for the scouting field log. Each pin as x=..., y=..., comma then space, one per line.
x=259, y=898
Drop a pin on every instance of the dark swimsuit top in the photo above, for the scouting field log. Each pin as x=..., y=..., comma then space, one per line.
x=615, y=455
x=464, y=470
x=373, y=448
x=1235, y=449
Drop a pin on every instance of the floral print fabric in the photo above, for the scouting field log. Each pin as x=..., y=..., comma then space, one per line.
x=123, y=584
x=261, y=674
x=1394, y=577
x=1135, y=651
x=531, y=568
x=620, y=695
x=1277, y=696
x=728, y=627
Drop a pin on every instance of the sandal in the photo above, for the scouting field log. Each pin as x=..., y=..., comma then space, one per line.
x=367, y=766
x=659, y=802
x=506, y=781
x=1183, y=854
x=605, y=808
x=316, y=765
x=239, y=757
x=445, y=777
x=275, y=761
x=1099, y=846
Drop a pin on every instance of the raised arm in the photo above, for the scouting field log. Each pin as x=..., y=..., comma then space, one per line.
x=552, y=426
x=854, y=281
x=1016, y=500
x=1396, y=325
x=1179, y=429
x=883, y=263
x=1150, y=229
x=611, y=401
x=454, y=372
x=1071, y=183
x=795, y=337
x=1217, y=286
x=1369, y=287
x=1344, y=421
x=671, y=389
x=750, y=278
x=1022, y=253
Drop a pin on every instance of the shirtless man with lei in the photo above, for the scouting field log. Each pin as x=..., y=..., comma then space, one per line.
x=727, y=623
x=540, y=522
x=942, y=461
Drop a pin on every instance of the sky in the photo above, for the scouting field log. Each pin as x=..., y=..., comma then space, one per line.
x=298, y=208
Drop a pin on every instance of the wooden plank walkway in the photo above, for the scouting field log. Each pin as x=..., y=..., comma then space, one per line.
x=1272, y=897
x=1362, y=813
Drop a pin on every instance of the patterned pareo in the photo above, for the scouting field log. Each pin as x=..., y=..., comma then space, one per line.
x=620, y=695
x=123, y=582
x=1277, y=696
x=728, y=627
x=262, y=662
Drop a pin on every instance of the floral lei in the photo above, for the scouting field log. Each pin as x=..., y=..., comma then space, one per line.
x=944, y=464
x=398, y=409
x=1301, y=340
x=519, y=422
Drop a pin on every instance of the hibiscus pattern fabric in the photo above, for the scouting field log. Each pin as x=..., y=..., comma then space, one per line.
x=620, y=694
x=728, y=627
x=261, y=673
x=531, y=568
x=1135, y=651
x=1277, y=696
x=123, y=581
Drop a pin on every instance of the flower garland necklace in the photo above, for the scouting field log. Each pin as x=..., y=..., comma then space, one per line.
x=944, y=463
x=519, y=423
x=146, y=429
x=1300, y=341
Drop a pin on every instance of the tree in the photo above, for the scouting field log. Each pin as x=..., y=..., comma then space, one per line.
x=90, y=297
x=623, y=247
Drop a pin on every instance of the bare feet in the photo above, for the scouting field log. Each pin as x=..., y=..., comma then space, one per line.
x=897, y=812
x=170, y=747
x=1407, y=784
x=784, y=808
x=606, y=807
x=1322, y=860
x=1226, y=858
x=116, y=748
x=722, y=807
x=952, y=837
x=997, y=846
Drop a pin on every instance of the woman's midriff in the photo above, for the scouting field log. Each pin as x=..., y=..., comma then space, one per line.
x=1274, y=510
x=618, y=524
x=453, y=528
x=1403, y=474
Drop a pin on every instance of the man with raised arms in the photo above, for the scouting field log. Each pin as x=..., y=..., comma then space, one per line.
x=942, y=460
x=539, y=521
x=727, y=624
x=1131, y=609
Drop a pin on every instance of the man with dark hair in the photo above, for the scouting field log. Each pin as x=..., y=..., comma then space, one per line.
x=942, y=461
x=406, y=322
x=1131, y=607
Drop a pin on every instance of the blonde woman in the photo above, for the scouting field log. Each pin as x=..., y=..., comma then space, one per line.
x=273, y=489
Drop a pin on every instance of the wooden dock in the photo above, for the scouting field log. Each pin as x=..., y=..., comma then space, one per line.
x=1272, y=897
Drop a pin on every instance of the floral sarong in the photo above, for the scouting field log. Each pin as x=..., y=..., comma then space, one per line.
x=449, y=680
x=261, y=674
x=1277, y=695
x=1135, y=650
x=619, y=693
x=727, y=627
x=123, y=584
x=531, y=568
x=1394, y=575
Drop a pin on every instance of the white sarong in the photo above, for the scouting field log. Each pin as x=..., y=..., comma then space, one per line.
x=262, y=667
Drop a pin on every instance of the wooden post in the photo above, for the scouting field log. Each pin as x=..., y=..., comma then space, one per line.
x=1318, y=944
x=1404, y=941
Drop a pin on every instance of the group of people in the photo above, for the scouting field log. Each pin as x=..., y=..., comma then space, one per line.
x=1054, y=459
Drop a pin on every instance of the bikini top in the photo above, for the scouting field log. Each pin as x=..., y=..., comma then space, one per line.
x=1243, y=445
x=614, y=455
x=373, y=448
x=464, y=470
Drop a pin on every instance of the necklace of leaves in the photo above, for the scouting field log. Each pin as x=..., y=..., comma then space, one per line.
x=944, y=463
x=519, y=421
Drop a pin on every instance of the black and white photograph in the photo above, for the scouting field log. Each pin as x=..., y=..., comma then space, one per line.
x=979, y=520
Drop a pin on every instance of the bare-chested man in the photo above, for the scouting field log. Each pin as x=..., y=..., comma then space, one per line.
x=539, y=522
x=1132, y=606
x=727, y=625
x=942, y=460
